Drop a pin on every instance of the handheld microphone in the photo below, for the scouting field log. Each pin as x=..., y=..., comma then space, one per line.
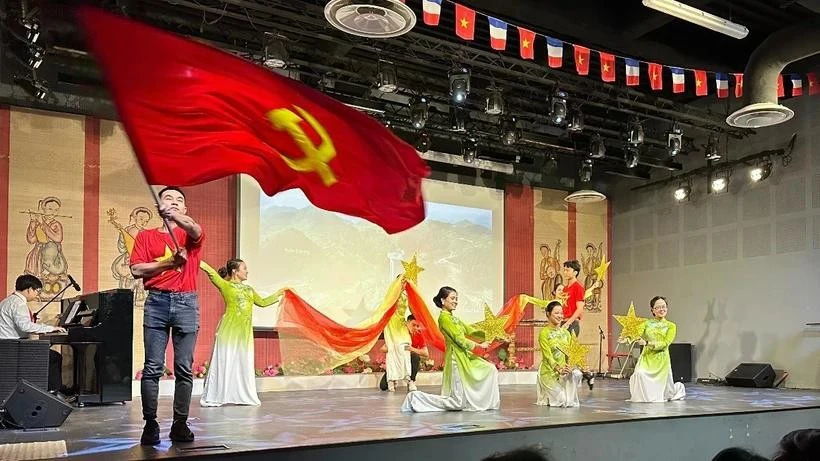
x=77, y=285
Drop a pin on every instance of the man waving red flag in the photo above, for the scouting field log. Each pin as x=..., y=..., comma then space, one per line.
x=194, y=114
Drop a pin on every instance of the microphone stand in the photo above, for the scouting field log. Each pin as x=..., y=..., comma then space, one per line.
x=601, y=338
x=60, y=293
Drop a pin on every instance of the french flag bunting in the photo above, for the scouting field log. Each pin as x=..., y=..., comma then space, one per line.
x=498, y=34
x=465, y=22
x=607, y=66
x=555, y=52
x=814, y=88
x=633, y=72
x=581, y=59
x=722, y=84
x=701, y=85
x=780, y=90
x=656, y=76
x=678, y=80
x=797, y=85
x=738, y=86
x=526, y=40
x=432, y=11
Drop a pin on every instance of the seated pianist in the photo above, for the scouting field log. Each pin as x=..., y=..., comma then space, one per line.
x=16, y=323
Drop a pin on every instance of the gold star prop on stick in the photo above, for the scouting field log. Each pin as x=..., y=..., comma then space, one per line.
x=631, y=323
x=600, y=271
x=492, y=326
x=576, y=352
x=412, y=270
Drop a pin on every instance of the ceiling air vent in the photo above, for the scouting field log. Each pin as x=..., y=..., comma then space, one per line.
x=370, y=18
x=585, y=196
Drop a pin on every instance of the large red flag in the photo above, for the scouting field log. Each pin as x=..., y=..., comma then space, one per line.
x=195, y=114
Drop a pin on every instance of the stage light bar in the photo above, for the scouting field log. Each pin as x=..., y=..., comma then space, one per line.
x=698, y=17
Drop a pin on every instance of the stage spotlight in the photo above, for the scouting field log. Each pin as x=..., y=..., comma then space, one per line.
x=275, y=53
x=720, y=182
x=551, y=164
x=558, y=107
x=597, y=148
x=585, y=173
x=635, y=135
x=674, y=140
x=423, y=142
x=31, y=29
x=761, y=171
x=632, y=156
x=495, y=103
x=509, y=132
x=418, y=112
x=712, y=153
x=469, y=149
x=456, y=119
x=34, y=87
x=683, y=192
x=459, y=85
x=386, y=79
x=576, y=121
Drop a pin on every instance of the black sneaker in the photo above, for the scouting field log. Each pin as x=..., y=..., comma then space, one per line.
x=150, y=433
x=590, y=379
x=180, y=432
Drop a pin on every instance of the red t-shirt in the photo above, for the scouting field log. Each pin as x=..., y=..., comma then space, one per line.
x=416, y=340
x=576, y=293
x=151, y=245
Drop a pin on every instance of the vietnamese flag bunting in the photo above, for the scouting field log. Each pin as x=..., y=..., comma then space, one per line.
x=738, y=86
x=607, y=66
x=581, y=59
x=701, y=87
x=656, y=76
x=465, y=22
x=194, y=114
x=526, y=43
x=814, y=88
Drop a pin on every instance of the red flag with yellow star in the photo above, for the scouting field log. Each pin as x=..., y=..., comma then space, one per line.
x=581, y=59
x=607, y=66
x=701, y=89
x=194, y=114
x=656, y=76
x=465, y=22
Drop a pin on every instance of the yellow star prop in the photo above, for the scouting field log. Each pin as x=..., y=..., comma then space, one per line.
x=600, y=271
x=464, y=22
x=576, y=352
x=492, y=326
x=412, y=270
x=166, y=257
x=631, y=323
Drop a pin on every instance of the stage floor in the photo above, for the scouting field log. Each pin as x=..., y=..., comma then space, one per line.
x=327, y=417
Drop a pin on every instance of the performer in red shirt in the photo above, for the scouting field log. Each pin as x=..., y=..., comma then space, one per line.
x=170, y=275
x=417, y=348
x=574, y=305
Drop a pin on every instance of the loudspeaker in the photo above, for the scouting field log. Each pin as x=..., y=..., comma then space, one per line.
x=751, y=375
x=30, y=407
x=682, y=365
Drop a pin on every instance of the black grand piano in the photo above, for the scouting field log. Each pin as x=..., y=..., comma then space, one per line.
x=100, y=334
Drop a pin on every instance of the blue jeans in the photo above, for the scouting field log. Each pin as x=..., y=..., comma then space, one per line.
x=177, y=314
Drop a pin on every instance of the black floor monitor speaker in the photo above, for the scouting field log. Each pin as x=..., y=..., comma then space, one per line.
x=751, y=375
x=682, y=364
x=30, y=407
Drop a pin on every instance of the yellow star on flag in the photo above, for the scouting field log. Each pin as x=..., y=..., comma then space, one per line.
x=525, y=43
x=575, y=351
x=412, y=270
x=492, y=325
x=631, y=323
x=698, y=83
x=464, y=22
x=580, y=59
x=654, y=75
x=606, y=67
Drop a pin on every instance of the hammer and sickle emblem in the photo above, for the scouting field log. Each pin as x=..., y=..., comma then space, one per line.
x=316, y=157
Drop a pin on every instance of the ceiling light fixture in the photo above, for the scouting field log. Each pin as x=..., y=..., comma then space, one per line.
x=698, y=17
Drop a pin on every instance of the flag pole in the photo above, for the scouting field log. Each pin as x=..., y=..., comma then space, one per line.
x=164, y=220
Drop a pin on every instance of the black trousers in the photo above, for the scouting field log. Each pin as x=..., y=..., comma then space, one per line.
x=55, y=370
x=415, y=362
